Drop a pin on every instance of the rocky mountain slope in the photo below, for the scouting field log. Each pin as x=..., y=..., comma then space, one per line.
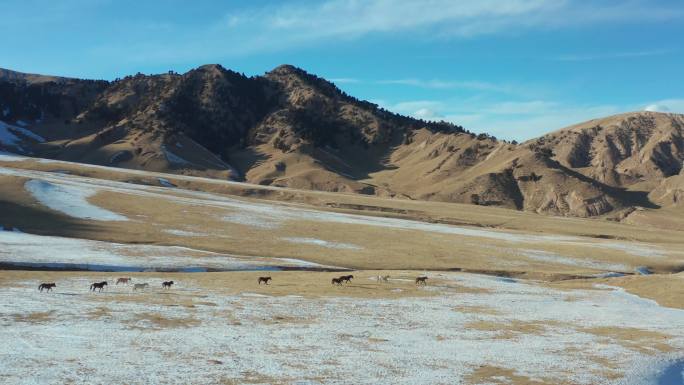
x=290, y=128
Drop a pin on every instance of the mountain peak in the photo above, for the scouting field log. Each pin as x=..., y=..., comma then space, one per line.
x=285, y=69
x=209, y=68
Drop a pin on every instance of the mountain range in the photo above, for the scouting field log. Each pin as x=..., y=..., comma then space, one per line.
x=293, y=129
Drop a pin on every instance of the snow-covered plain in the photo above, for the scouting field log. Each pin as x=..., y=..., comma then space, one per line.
x=56, y=252
x=193, y=334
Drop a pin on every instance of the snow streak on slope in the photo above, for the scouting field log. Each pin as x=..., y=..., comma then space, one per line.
x=8, y=135
x=322, y=243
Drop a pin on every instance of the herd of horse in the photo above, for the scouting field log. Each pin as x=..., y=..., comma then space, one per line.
x=167, y=284
x=99, y=286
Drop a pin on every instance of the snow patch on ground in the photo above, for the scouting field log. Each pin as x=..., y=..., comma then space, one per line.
x=252, y=337
x=322, y=243
x=34, y=250
x=8, y=138
x=8, y=135
x=246, y=219
x=165, y=182
x=173, y=158
x=544, y=256
x=10, y=157
x=184, y=233
x=70, y=200
x=115, y=158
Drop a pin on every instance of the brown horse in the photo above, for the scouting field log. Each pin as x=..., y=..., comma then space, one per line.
x=421, y=280
x=337, y=281
x=98, y=285
x=167, y=284
x=264, y=280
x=46, y=286
x=346, y=278
x=124, y=280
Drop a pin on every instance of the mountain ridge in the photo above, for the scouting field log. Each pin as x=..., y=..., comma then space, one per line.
x=294, y=129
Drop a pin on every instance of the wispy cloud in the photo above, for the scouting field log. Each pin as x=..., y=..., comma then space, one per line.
x=353, y=18
x=344, y=80
x=520, y=120
x=447, y=84
x=284, y=26
x=613, y=55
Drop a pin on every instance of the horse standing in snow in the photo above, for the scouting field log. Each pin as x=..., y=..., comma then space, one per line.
x=167, y=284
x=421, y=281
x=98, y=285
x=264, y=280
x=141, y=286
x=124, y=280
x=46, y=286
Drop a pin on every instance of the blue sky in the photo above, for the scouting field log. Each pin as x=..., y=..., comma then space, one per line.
x=512, y=68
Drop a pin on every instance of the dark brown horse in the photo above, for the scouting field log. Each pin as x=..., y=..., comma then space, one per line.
x=167, y=284
x=264, y=280
x=46, y=286
x=346, y=278
x=337, y=281
x=98, y=285
x=421, y=280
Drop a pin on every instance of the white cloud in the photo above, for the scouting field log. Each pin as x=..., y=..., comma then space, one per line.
x=427, y=114
x=657, y=108
x=666, y=105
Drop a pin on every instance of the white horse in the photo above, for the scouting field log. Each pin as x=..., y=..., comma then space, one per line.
x=141, y=286
x=383, y=278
